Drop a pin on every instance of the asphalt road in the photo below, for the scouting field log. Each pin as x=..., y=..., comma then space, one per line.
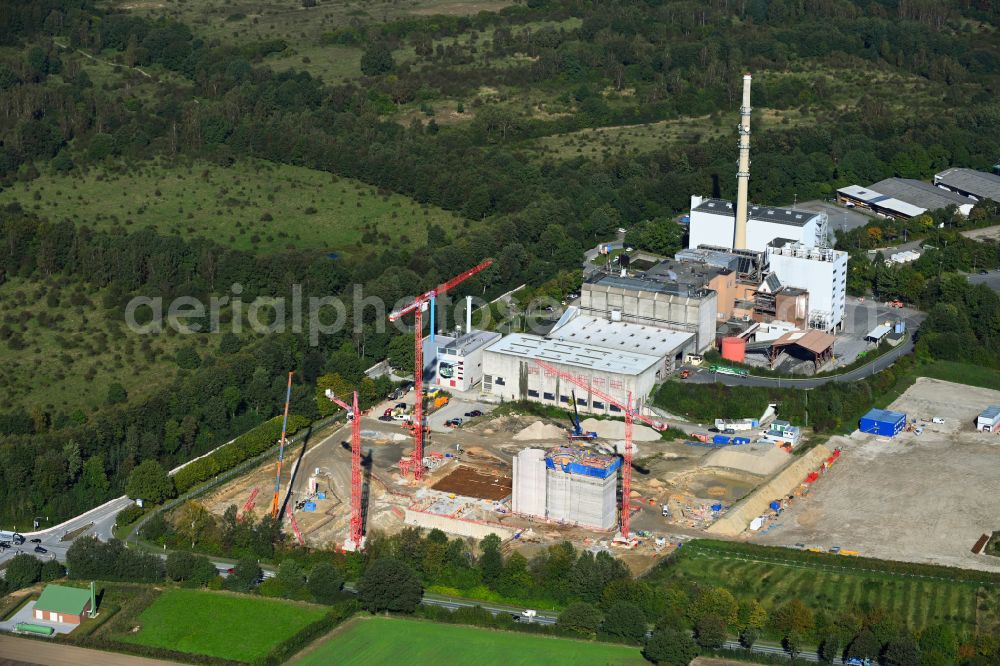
x=705, y=376
x=99, y=522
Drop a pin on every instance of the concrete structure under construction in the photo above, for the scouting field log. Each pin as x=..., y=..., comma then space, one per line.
x=713, y=222
x=820, y=271
x=529, y=483
x=510, y=373
x=460, y=361
x=567, y=484
x=672, y=295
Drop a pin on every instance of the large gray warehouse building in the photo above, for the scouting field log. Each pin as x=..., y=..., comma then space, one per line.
x=978, y=185
x=510, y=373
x=664, y=303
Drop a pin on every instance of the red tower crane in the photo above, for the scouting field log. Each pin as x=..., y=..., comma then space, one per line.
x=248, y=505
x=356, y=538
x=276, y=501
x=295, y=526
x=417, y=307
x=631, y=413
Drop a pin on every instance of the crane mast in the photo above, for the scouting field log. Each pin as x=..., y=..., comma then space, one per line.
x=276, y=500
x=355, y=540
x=417, y=307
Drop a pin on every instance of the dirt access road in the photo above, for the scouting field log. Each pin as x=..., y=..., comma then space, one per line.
x=28, y=651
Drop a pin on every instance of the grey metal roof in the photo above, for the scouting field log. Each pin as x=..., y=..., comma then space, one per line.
x=991, y=412
x=794, y=217
x=565, y=352
x=978, y=183
x=622, y=335
x=883, y=201
x=919, y=193
x=671, y=282
x=469, y=342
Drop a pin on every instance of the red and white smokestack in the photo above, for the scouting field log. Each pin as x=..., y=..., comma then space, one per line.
x=743, y=172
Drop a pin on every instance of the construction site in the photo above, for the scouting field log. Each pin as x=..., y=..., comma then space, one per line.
x=531, y=481
x=925, y=492
x=438, y=457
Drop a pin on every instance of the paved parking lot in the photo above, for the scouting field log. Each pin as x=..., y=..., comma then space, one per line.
x=991, y=279
x=456, y=409
x=841, y=218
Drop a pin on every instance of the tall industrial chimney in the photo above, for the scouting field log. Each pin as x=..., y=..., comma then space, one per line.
x=468, y=314
x=743, y=172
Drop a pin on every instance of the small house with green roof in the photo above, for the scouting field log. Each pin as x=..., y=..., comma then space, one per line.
x=59, y=603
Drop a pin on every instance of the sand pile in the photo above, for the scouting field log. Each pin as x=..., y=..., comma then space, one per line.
x=616, y=430
x=540, y=430
x=751, y=460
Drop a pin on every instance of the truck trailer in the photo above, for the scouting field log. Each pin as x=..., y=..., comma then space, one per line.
x=10, y=539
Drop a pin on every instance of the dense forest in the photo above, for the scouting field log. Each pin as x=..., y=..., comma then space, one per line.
x=176, y=96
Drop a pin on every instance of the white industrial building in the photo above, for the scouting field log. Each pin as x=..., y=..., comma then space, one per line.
x=820, y=271
x=624, y=336
x=460, y=361
x=970, y=183
x=713, y=222
x=510, y=373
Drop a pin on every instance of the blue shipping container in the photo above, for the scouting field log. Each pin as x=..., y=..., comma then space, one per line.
x=309, y=506
x=882, y=422
x=741, y=440
x=716, y=507
x=720, y=439
x=775, y=505
x=320, y=495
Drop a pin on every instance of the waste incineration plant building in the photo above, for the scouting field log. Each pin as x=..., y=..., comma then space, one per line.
x=567, y=484
x=882, y=422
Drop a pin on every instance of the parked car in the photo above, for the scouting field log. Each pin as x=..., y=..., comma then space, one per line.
x=36, y=540
x=474, y=413
x=386, y=417
x=937, y=419
x=401, y=405
x=40, y=549
x=453, y=423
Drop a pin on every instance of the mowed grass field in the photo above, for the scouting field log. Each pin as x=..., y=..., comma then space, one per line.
x=72, y=348
x=916, y=601
x=219, y=624
x=253, y=205
x=368, y=641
